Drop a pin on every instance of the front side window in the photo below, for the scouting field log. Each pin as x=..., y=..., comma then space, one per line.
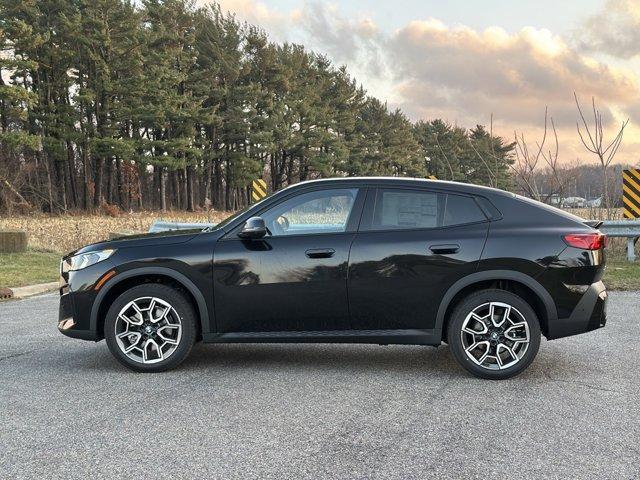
x=323, y=211
x=398, y=209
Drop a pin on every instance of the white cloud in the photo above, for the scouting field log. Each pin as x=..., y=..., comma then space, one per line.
x=475, y=73
x=466, y=75
x=614, y=31
x=256, y=12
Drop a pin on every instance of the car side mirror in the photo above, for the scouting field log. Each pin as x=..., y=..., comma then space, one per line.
x=253, y=229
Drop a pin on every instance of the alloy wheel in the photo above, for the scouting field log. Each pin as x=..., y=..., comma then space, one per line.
x=148, y=330
x=495, y=336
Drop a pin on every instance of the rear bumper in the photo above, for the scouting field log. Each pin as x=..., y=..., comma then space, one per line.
x=589, y=314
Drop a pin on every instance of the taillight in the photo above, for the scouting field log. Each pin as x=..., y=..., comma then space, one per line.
x=586, y=241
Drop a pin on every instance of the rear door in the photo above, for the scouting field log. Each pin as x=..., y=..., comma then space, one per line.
x=412, y=245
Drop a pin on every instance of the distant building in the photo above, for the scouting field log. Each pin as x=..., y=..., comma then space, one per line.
x=594, y=202
x=573, y=202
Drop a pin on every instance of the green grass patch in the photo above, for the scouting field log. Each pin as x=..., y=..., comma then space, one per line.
x=622, y=275
x=28, y=268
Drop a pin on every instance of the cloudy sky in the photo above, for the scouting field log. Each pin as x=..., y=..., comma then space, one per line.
x=464, y=60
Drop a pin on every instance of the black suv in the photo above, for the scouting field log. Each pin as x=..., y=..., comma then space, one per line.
x=351, y=260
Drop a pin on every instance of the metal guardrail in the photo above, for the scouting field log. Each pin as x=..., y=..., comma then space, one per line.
x=623, y=228
x=162, y=226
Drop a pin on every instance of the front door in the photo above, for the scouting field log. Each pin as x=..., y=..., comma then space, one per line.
x=295, y=278
x=412, y=246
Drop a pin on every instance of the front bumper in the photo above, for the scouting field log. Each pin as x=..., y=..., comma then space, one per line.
x=78, y=291
x=68, y=324
x=589, y=314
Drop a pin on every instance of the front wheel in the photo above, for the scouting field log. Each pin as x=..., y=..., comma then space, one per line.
x=150, y=328
x=494, y=334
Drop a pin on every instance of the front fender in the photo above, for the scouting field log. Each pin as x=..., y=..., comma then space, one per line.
x=203, y=309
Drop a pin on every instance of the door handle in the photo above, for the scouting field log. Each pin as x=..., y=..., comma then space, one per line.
x=445, y=249
x=320, y=252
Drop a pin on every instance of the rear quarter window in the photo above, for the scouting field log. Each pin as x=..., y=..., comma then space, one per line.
x=459, y=210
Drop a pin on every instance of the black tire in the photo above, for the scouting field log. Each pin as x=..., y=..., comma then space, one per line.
x=469, y=304
x=182, y=307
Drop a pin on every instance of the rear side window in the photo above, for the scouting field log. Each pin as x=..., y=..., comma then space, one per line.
x=459, y=210
x=397, y=209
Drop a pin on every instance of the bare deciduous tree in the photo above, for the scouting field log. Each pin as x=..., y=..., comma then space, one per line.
x=527, y=162
x=595, y=145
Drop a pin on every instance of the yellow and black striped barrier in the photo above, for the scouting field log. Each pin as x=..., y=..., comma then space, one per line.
x=631, y=193
x=258, y=189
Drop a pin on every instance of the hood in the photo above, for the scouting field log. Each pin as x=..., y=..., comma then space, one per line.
x=142, y=240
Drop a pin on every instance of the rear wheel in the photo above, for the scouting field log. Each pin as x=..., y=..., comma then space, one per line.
x=494, y=334
x=150, y=328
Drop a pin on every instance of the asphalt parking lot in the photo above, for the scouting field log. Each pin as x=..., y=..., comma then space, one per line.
x=68, y=410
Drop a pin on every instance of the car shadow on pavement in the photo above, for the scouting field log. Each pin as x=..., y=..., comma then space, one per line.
x=278, y=357
x=317, y=358
x=323, y=357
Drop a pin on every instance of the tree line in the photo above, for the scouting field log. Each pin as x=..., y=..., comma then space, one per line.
x=163, y=105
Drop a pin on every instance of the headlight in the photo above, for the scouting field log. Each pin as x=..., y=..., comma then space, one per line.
x=84, y=260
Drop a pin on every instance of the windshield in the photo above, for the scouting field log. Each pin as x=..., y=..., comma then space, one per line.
x=235, y=215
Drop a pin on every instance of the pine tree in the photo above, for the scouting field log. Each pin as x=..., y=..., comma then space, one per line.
x=160, y=104
x=172, y=98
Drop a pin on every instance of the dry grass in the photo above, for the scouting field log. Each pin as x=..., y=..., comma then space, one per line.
x=596, y=213
x=65, y=233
